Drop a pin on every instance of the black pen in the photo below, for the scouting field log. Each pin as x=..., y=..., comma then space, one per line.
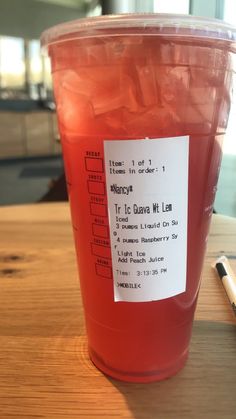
x=228, y=278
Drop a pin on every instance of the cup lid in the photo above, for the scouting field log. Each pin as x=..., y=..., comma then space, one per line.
x=140, y=24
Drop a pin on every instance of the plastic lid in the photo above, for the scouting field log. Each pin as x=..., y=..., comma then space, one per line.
x=140, y=24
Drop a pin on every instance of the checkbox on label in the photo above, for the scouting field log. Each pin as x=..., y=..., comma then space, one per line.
x=104, y=271
x=97, y=188
x=100, y=230
x=101, y=251
x=98, y=209
x=94, y=164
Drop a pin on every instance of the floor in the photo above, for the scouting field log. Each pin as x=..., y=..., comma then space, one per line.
x=225, y=202
x=27, y=180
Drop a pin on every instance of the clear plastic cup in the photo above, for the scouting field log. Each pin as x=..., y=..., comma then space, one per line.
x=142, y=104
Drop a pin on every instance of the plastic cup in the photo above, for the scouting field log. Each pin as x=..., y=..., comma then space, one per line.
x=142, y=104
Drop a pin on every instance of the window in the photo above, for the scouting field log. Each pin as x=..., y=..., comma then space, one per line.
x=12, y=62
x=171, y=6
x=230, y=143
x=230, y=11
x=47, y=78
x=22, y=68
x=35, y=62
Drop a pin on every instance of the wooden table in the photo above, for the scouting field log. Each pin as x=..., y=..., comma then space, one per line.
x=45, y=371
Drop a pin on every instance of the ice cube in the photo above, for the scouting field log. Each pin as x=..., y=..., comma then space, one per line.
x=205, y=97
x=155, y=121
x=147, y=85
x=173, y=83
x=107, y=88
x=116, y=92
x=125, y=50
x=75, y=112
x=111, y=124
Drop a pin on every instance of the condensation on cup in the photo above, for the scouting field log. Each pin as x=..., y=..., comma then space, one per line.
x=142, y=103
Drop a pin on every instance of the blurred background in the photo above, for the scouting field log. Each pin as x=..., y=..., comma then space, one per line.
x=31, y=167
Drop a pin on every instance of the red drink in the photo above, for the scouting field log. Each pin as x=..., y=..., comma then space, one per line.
x=129, y=85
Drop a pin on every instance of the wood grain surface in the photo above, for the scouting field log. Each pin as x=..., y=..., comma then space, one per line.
x=45, y=371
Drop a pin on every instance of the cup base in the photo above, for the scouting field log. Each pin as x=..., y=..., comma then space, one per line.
x=138, y=377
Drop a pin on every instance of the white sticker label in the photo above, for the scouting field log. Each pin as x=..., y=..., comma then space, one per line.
x=147, y=189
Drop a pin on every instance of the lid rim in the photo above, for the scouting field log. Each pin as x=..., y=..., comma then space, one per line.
x=165, y=24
